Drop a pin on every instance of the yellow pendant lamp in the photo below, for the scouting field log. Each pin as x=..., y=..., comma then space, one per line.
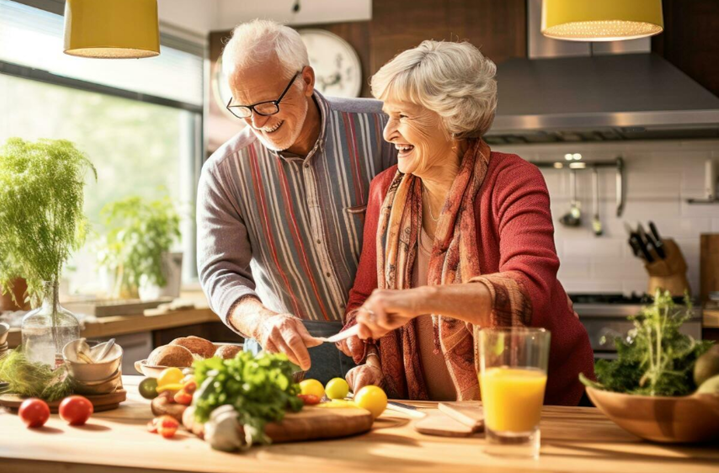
x=111, y=28
x=601, y=20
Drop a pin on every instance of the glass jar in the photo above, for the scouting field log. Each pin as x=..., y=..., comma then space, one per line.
x=48, y=328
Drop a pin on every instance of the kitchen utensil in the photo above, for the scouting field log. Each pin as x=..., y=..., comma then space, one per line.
x=100, y=351
x=573, y=218
x=405, y=409
x=88, y=372
x=442, y=425
x=620, y=186
x=658, y=243
x=470, y=413
x=636, y=241
x=313, y=423
x=678, y=419
x=596, y=223
x=350, y=332
x=670, y=273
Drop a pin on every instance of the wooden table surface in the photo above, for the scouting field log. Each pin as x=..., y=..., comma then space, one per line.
x=574, y=439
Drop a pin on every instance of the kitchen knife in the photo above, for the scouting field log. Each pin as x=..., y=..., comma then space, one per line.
x=630, y=232
x=659, y=244
x=350, y=332
x=643, y=250
x=405, y=409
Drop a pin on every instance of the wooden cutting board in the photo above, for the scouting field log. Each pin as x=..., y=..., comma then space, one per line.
x=469, y=413
x=313, y=423
x=103, y=402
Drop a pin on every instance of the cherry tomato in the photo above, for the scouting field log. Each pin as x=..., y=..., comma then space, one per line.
x=167, y=426
x=75, y=410
x=34, y=412
x=309, y=399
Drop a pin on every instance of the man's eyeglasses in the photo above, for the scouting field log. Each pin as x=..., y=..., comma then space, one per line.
x=265, y=109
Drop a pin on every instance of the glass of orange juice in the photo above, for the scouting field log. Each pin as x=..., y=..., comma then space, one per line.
x=513, y=375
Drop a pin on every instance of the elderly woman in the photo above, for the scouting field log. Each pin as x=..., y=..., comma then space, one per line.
x=457, y=237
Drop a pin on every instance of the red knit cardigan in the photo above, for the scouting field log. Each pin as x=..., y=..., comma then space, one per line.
x=514, y=234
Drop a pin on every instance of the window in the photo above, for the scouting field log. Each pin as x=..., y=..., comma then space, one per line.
x=139, y=121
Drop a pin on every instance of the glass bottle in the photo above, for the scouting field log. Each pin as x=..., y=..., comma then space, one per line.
x=48, y=328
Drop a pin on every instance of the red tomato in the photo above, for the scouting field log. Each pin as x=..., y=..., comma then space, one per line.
x=166, y=426
x=75, y=410
x=34, y=412
x=309, y=399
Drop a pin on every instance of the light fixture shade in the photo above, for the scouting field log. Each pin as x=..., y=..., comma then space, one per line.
x=112, y=28
x=601, y=20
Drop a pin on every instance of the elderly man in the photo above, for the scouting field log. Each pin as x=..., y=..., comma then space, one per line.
x=281, y=205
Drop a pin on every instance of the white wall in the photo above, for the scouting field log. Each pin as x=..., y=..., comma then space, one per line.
x=203, y=16
x=660, y=176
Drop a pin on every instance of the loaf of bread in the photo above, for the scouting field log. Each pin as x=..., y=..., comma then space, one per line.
x=227, y=352
x=171, y=355
x=199, y=346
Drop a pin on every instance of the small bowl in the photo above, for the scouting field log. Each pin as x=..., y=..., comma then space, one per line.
x=102, y=386
x=149, y=370
x=88, y=372
x=681, y=419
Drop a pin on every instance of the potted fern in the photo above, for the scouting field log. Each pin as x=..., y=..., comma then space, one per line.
x=136, y=247
x=41, y=223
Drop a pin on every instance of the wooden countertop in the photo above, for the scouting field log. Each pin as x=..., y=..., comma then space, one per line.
x=120, y=325
x=574, y=439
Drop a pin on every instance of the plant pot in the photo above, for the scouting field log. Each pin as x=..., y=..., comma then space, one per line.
x=19, y=286
x=172, y=270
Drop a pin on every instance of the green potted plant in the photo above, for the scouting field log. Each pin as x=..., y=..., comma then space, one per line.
x=136, y=245
x=41, y=223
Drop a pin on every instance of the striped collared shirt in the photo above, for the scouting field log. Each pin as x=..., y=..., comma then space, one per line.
x=285, y=228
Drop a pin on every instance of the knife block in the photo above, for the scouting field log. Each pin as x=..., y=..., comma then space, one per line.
x=670, y=273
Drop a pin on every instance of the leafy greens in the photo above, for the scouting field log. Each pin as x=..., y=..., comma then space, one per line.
x=655, y=359
x=260, y=388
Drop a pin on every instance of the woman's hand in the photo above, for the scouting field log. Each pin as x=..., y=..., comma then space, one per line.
x=364, y=375
x=352, y=347
x=386, y=310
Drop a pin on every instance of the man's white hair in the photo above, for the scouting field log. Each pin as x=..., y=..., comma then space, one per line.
x=452, y=79
x=261, y=40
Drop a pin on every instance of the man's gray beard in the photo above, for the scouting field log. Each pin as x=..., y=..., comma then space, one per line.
x=274, y=147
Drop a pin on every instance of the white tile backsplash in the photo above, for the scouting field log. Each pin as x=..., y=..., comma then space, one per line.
x=660, y=176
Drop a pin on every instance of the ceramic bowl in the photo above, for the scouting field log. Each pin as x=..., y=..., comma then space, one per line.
x=4, y=331
x=149, y=370
x=88, y=372
x=681, y=419
x=102, y=386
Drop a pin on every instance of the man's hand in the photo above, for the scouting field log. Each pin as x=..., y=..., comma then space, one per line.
x=364, y=375
x=285, y=333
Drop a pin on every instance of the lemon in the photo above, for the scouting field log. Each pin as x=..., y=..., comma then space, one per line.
x=337, y=388
x=312, y=386
x=373, y=399
x=170, y=376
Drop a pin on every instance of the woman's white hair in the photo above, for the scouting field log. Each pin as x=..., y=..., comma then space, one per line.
x=260, y=40
x=452, y=79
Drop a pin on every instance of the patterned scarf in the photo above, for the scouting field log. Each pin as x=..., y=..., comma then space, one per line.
x=454, y=260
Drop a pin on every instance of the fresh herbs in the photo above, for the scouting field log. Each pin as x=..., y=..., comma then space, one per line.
x=26, y=378
x=41, y=217
x=655, y=359
x=260, y=389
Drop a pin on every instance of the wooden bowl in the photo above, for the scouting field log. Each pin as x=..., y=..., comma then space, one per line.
x=149, y=370
x=681, y=419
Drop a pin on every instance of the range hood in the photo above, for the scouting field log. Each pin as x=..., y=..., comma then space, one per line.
x=606, y=97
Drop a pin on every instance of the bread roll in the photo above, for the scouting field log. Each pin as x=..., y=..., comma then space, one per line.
x=227, y=352
x=199, y=346
x=171, y=355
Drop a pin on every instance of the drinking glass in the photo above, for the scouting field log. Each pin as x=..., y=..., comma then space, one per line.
x=512, y=379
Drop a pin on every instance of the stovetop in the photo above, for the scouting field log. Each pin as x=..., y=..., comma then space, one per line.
x=617, y=305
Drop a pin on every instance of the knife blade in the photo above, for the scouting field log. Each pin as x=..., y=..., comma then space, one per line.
x=350, y=332
x=405, y=409
x=647, y=256
x=659, y=246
